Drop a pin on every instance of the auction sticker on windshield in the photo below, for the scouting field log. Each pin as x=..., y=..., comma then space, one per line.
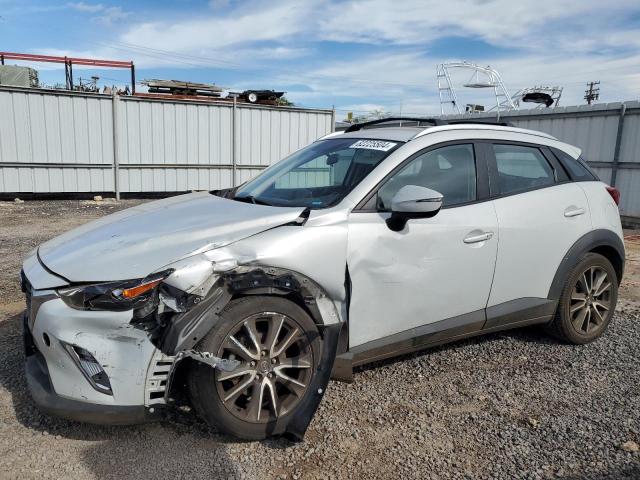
x=374, y=145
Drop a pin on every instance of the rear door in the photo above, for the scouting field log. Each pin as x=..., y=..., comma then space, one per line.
x=541, y=214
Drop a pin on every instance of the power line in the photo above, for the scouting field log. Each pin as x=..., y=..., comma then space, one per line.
x=207, y=61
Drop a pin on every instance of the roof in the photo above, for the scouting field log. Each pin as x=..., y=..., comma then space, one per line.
x=479, y=126
x=398, y=134
x=404, y=134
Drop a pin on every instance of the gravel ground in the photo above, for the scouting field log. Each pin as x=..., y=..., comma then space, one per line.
x=510, y=405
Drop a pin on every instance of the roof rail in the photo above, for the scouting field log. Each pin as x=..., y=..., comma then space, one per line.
x=359, y=126
x=477, y=121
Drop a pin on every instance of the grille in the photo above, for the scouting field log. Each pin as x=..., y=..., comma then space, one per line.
x=157, y=378
x=25, y=286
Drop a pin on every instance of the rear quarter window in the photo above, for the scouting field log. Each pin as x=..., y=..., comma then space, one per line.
x=577, y=169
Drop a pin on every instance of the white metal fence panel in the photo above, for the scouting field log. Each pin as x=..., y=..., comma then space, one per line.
x=595, y=135
x=55, y=142
x=167, y=146
x=63, y=142
x=630, y=142
x=604, y=174
x=172, y=179
x=246, y=174
x=155, y=133
x=628, y=182
x=268, y=135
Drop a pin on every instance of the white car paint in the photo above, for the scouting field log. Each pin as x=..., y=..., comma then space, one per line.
x=420, y=275
x=123, y=351
x=135, y=242
x=604, y=211
x=535, y=234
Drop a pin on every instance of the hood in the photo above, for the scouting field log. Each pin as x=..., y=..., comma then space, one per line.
x=138, y=241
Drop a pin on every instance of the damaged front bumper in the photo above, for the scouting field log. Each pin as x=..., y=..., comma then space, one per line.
x=49, y=402
x=61, y=385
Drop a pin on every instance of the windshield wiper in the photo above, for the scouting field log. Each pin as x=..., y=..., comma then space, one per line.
x=252, y=199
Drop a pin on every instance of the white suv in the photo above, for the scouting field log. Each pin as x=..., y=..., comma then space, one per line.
x=366, y=244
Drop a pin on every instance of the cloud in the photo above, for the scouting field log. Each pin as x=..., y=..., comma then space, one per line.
x=363, y=107
x=313, y=43
x=217, y=4
x=505, y=23
x=86, y=7
x=111, y=15
x=108, y=15
x=279, y=21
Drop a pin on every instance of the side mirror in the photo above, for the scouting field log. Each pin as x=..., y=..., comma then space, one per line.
x=413, y=201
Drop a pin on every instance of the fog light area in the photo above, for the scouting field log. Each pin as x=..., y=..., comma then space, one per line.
x=90, y=368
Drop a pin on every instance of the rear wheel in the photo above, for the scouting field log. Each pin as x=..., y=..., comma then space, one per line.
x=587, y=302
x=278, y=347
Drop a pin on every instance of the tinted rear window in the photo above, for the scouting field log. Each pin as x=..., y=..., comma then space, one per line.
x=577, y=168
x=521, y=168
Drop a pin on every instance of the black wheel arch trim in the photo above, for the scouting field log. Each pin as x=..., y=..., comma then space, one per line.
x=605, y=242
x=297, y=425
x=186, y=329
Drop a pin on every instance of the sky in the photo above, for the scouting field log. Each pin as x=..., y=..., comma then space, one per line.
x=354, y=55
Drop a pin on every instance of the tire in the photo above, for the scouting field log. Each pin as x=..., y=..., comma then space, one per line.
x=241, y=403
x=252, y=97
x=587, y=304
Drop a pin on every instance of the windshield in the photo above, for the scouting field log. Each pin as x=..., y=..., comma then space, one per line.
x=317, y=176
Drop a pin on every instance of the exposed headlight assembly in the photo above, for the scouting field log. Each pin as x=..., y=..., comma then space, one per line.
x=115, y=296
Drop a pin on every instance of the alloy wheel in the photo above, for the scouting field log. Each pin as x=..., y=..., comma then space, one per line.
x=590, y=300
x=275, y=371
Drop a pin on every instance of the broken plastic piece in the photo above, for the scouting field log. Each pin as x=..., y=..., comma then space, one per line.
x=172, y=303
x=224, y=364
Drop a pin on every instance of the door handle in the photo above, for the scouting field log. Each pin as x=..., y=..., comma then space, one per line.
x=478, y=238
x=573, y=212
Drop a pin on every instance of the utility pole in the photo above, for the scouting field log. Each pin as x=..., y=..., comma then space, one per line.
x=592, y=93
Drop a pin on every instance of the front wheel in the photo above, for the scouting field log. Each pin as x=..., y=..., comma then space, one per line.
x=587, y=302
x=278, y=346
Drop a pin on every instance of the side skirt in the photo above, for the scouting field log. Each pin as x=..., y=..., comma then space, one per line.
x=513, y=314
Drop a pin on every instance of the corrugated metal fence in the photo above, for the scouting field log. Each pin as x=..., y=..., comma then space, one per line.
x=608, y=134
x=63, y=142
x=69, y=142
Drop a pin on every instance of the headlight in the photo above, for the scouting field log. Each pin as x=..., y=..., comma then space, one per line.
x=116, y=296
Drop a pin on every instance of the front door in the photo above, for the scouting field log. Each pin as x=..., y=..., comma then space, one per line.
x=436, y=269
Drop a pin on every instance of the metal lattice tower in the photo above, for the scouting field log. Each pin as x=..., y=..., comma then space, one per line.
x=481, y=77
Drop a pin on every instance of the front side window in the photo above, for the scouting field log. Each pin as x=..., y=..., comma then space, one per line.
x=521, y=168
x=317, y=176
x=449, y=170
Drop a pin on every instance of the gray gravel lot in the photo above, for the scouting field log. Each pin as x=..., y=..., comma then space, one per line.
x=510, y=405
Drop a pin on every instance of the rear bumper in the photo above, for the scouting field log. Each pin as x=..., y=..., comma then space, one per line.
x=50, y=403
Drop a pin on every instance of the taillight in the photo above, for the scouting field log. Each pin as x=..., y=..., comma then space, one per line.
x=615, y=194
